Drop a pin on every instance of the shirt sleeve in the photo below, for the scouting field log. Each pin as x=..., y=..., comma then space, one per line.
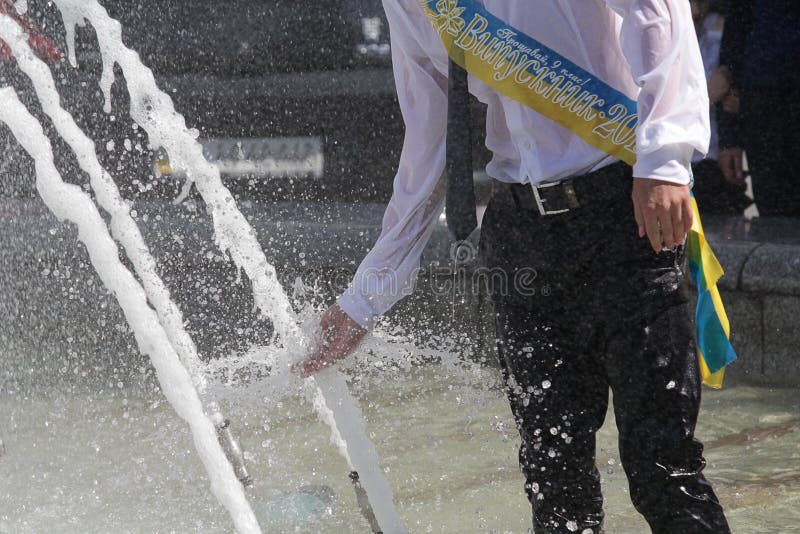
x=389, y=271
x=659, y=42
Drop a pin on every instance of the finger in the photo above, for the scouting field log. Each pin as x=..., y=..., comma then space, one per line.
x=325, y=322
x=328, y=353
x=317, y=360
x=677, y=224
x=637, y=214
x=305, y=368
x=731, y=103
x=688, y=216
x=311, y=366
x=726, y=167
x=737, y=167
x=667, y=229
x=652, y=228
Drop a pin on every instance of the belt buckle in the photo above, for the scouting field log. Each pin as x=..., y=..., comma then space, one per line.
x=540, y=201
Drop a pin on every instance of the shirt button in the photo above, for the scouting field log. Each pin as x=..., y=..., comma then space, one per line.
x=527, y=145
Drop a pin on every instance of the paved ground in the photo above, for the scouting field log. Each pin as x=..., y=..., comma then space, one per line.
x=120, y=460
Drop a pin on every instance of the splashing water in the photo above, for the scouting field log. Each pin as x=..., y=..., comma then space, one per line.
x=68, y=202
x=123, y=227
x=153, y=110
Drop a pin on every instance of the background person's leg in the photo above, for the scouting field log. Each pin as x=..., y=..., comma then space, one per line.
x=771, y=133
x=714, y=195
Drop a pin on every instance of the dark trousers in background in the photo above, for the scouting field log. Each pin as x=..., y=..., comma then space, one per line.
x=714, y=195
x=605, y=312
x=771, y=134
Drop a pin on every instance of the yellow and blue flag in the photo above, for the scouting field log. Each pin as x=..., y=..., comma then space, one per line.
x=711, y=322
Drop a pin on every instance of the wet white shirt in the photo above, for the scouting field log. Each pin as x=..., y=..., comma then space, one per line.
x=647, y=49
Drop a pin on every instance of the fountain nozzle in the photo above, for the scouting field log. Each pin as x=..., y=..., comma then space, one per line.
x=233, y=451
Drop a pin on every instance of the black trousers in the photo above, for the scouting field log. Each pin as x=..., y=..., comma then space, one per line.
x=714, y=195
x=596, y=309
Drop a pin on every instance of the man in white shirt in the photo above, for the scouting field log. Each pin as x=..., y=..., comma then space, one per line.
x=617, y=315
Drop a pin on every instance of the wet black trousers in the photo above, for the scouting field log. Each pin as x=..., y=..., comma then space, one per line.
x=590, y=307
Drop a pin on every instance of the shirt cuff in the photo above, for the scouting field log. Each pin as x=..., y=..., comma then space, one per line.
x=358, y=308
x=670, y=164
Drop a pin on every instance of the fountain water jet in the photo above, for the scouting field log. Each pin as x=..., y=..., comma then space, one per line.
x=149, y=108
x=69, y=202
x=153, y=110
x=123, y=227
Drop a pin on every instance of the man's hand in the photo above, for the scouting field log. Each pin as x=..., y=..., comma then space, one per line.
x=719, y=84
x=663, y=212
x=730, y=162
x=731, y=103
x=339, y=337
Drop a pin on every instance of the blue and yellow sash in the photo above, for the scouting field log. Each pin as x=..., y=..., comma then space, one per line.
x=525, y=70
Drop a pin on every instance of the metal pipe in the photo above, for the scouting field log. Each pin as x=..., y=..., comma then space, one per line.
x=230, y=445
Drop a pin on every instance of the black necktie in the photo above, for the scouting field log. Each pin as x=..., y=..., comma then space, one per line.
x=460, y=202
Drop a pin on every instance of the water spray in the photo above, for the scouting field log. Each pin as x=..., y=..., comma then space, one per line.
x=70, y=202
x=152, y=109
x=123, y=228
